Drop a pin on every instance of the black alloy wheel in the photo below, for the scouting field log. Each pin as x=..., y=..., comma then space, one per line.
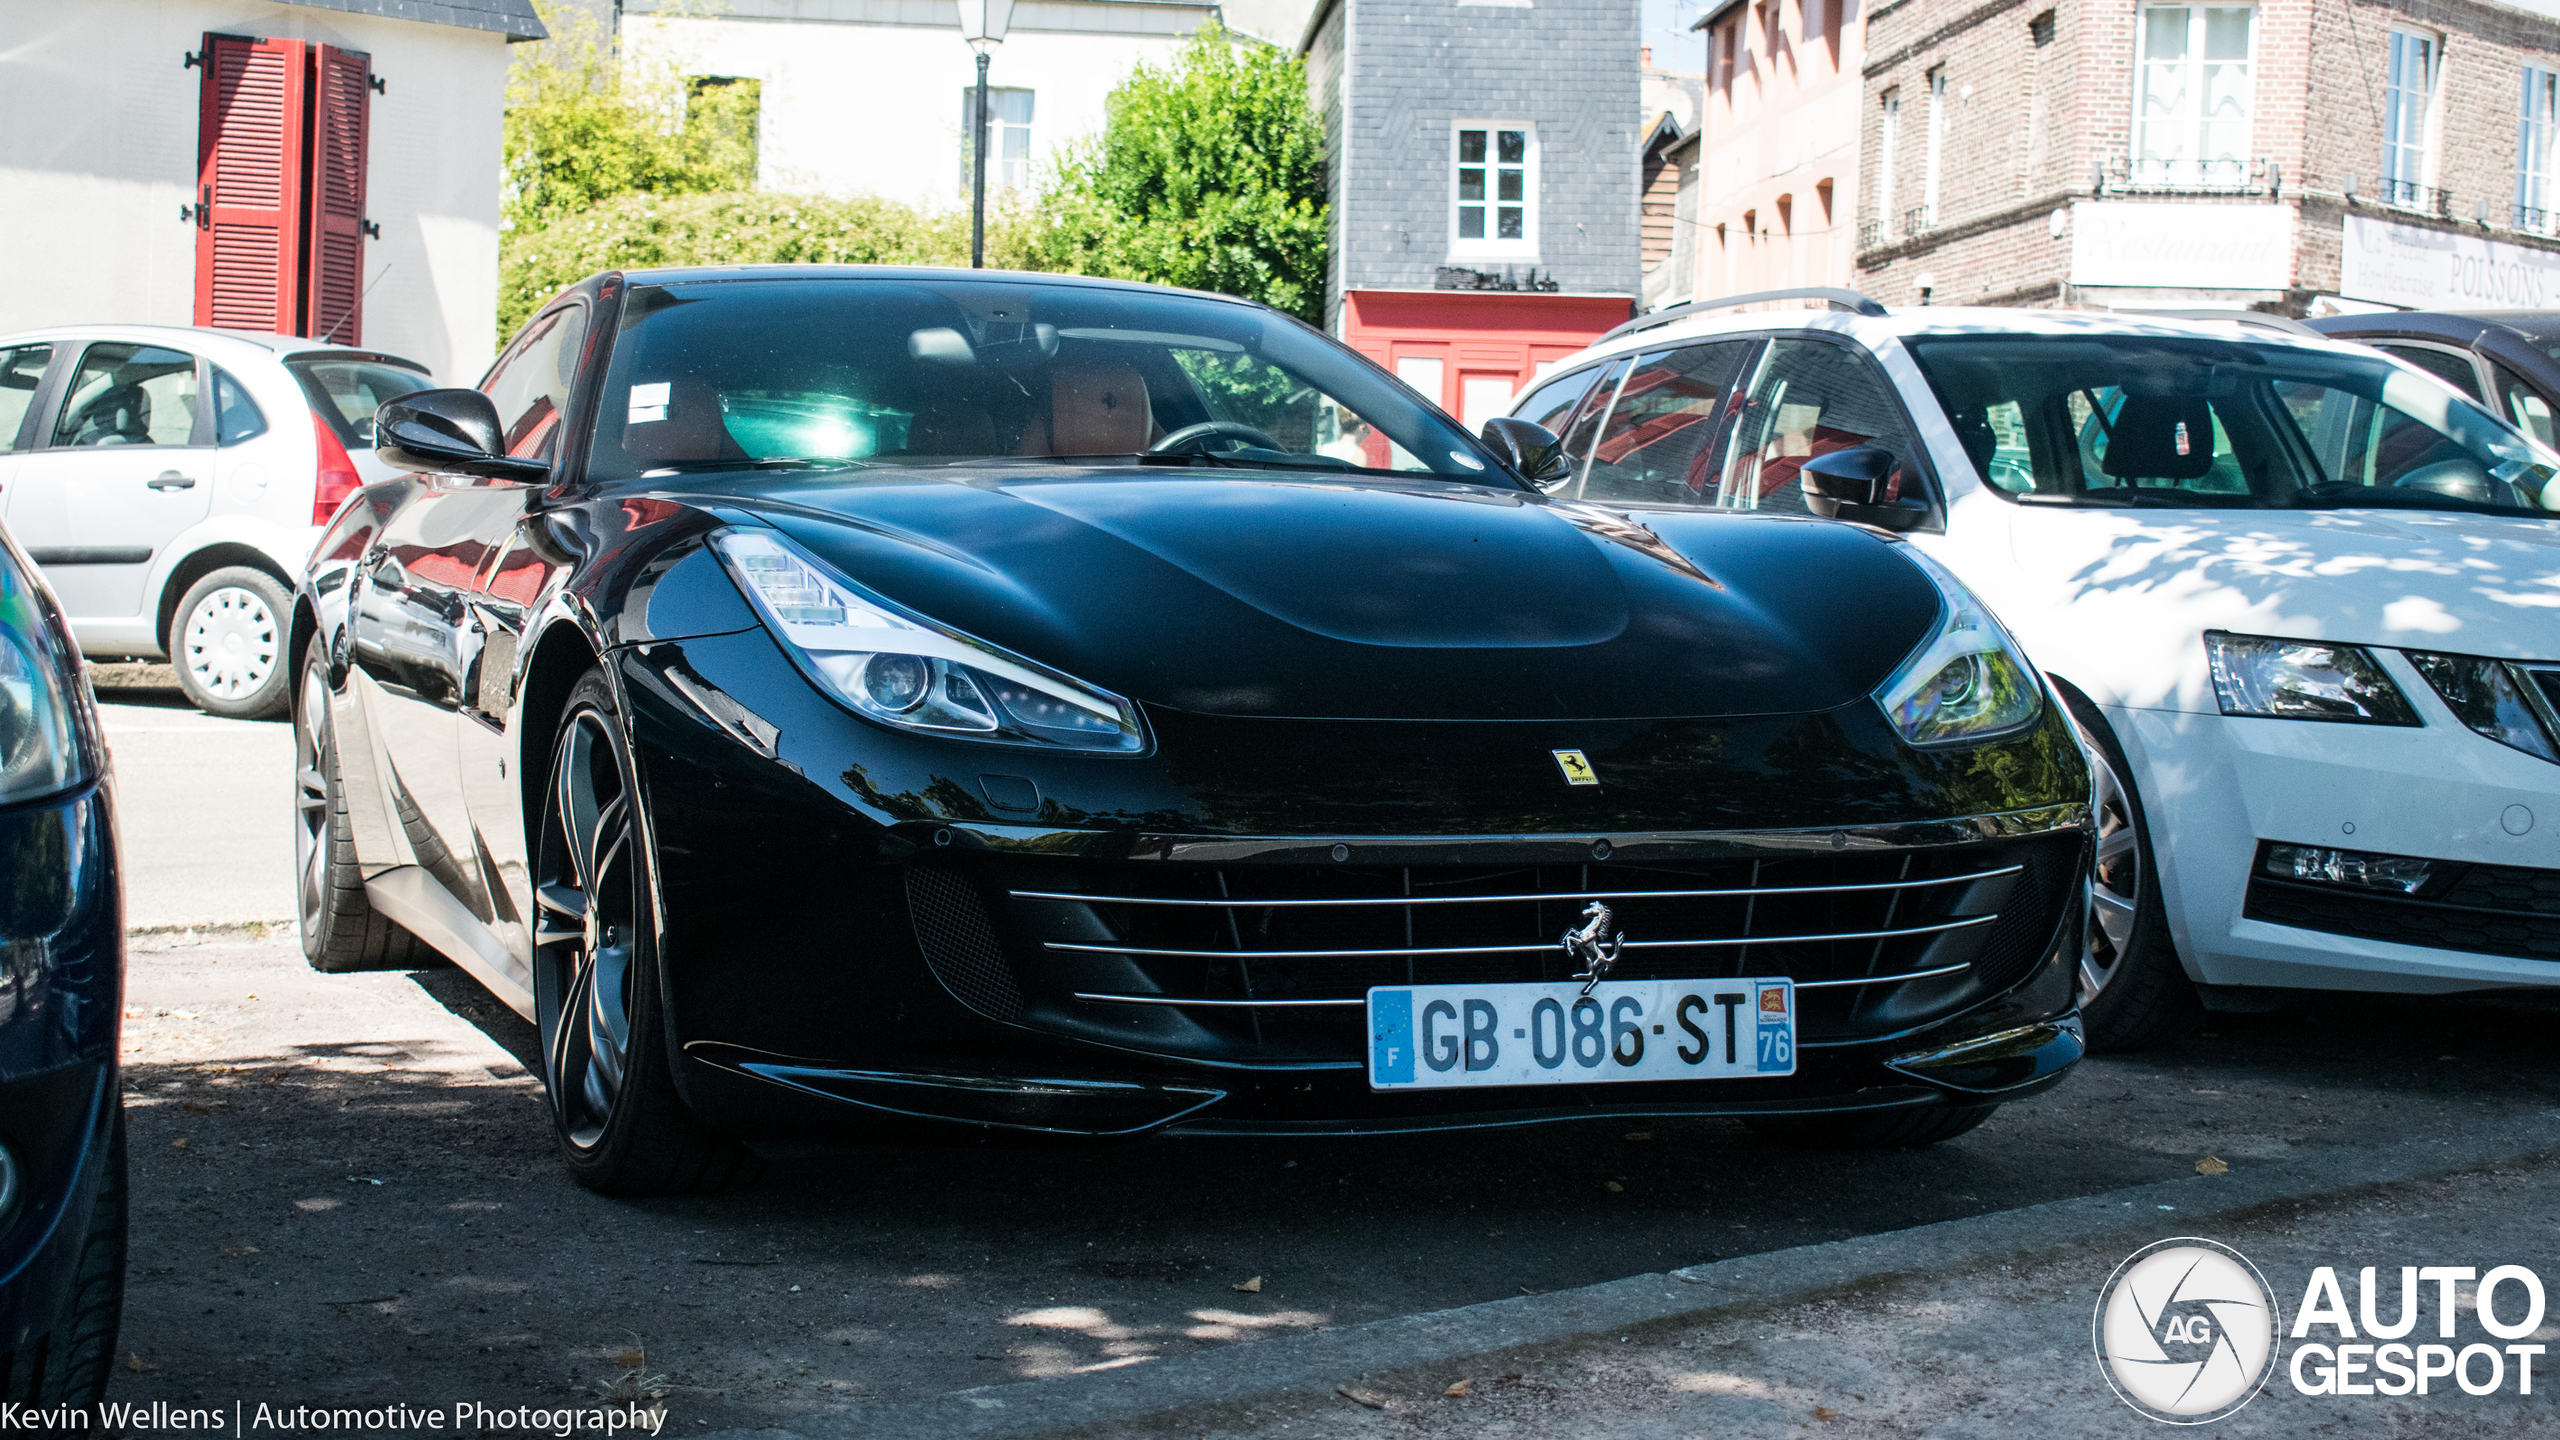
x=622, y=1128
x=69, y=1364
x=2134, y=995
x=341, y=931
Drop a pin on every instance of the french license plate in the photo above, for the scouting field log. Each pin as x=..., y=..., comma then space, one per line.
x=1553, y=1034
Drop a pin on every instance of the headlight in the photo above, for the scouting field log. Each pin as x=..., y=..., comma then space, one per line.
x=2487, y=696
x=901, y=669
x=2303, y=680
x=39, y=739
x=1968, y=683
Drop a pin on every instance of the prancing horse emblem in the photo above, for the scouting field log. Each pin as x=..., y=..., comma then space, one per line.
x=1585, y=946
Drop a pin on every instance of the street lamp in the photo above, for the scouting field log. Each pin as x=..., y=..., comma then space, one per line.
x=982, y=24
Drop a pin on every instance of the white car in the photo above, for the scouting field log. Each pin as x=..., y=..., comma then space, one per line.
x=167, y=480
x=2303, y=598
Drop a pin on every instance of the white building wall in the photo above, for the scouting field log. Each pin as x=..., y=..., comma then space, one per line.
x=101, y=114
x=862, y=97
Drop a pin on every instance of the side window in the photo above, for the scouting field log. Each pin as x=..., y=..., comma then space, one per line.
x=2454, y=370
x=1809, y=397
x=1655, y=447
x=1585, y=423
x=1552, y=404
x=2520, y=403
x=21, y=370
x=531, y=385
x=130, y=395
x=236, y=417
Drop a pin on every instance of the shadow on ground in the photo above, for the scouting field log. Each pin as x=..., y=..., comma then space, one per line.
x=373, y=1220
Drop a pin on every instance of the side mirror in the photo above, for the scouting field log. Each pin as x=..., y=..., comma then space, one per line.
x=1531, y=450
x=1851, y=484
x=453, y=432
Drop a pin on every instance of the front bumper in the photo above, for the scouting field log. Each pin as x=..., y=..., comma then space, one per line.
x=2215, y=787
x=855, y=937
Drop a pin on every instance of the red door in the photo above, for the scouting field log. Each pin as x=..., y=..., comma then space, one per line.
x=249, y=183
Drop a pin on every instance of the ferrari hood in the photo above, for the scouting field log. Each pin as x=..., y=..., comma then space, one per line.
x=1354, y=599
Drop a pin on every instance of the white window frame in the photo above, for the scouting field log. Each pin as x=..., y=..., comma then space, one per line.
x=2409, y=164
x=1935, y=163
x=1888, y=142
x=2185, y=166
x=1491, y=247
x=2537, y=149
x=1003, y=172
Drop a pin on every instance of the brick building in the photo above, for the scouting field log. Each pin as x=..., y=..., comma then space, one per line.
x=1482, y=161
x=2301, y=156
x=1777, y=171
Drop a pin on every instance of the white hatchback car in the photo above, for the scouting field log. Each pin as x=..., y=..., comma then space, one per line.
x=2301, y=596
x=167, y=480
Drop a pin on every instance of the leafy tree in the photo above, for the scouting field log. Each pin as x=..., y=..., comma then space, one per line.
x=738, y=228
x=1209, y=173
x=584, y=125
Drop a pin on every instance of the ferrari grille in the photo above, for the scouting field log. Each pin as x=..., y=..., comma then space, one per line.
x=1280, y=956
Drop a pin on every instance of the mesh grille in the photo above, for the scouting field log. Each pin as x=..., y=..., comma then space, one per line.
x=2493, y=910
x=959, y=942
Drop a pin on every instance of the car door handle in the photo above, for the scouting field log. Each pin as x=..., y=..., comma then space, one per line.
x=171, y=480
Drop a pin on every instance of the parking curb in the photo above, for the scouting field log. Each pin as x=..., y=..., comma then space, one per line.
x=1308, y=1367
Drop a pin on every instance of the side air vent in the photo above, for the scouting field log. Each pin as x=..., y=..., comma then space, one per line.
x=959, y=941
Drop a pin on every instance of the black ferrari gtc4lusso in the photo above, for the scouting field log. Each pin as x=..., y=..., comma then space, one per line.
x=836, y=700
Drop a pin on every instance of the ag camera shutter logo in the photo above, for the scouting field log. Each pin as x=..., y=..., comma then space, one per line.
x=2186, y=1331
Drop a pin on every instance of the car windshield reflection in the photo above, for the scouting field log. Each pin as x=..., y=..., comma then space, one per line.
x=896, y=372
x=2143, y=421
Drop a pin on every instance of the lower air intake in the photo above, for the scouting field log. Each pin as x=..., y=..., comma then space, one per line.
x=959, y=942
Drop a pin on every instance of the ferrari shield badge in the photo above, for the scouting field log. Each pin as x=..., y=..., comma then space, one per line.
x=1576, y=767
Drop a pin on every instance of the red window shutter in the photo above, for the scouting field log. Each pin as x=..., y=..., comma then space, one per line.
x=249, y=178
x=334, y=304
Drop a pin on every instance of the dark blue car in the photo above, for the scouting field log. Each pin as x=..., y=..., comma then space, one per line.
x=62, y=1170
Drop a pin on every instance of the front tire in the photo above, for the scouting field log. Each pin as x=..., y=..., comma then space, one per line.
x=227, y=642
x=2134, y=995
x=69, y=1364
x=1913, y=1129
x=341, y=931
x=607, y=1062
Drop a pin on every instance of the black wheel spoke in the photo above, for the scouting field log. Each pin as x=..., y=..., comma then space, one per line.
x=585, y=924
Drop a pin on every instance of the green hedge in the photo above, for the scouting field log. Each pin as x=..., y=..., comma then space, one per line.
x=740, y=228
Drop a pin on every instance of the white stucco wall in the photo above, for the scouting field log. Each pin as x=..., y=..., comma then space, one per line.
x=101, y=114
x=871, y=105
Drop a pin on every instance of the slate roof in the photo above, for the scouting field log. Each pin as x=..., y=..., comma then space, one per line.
x=512, y=18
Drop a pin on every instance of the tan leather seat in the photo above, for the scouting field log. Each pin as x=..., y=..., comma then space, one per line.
x=1096, y=407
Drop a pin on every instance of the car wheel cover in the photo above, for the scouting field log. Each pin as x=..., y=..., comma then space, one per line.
x=2115, y=891
x=311, y=803
x=585, y=930
x=230, y=643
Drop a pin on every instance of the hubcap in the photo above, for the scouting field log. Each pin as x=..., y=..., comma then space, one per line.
x=229, y=643
x=311, y=805
x=2116, y=892
x=585, y=929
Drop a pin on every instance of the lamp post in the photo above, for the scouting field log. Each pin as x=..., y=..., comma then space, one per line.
x=982, y=24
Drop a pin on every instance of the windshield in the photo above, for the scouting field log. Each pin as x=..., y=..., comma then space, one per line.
x=2128, y=420
x=730, y=373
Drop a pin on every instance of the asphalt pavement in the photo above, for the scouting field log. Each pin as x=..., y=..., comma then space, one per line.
x=204, y=806
x=345, y=1193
